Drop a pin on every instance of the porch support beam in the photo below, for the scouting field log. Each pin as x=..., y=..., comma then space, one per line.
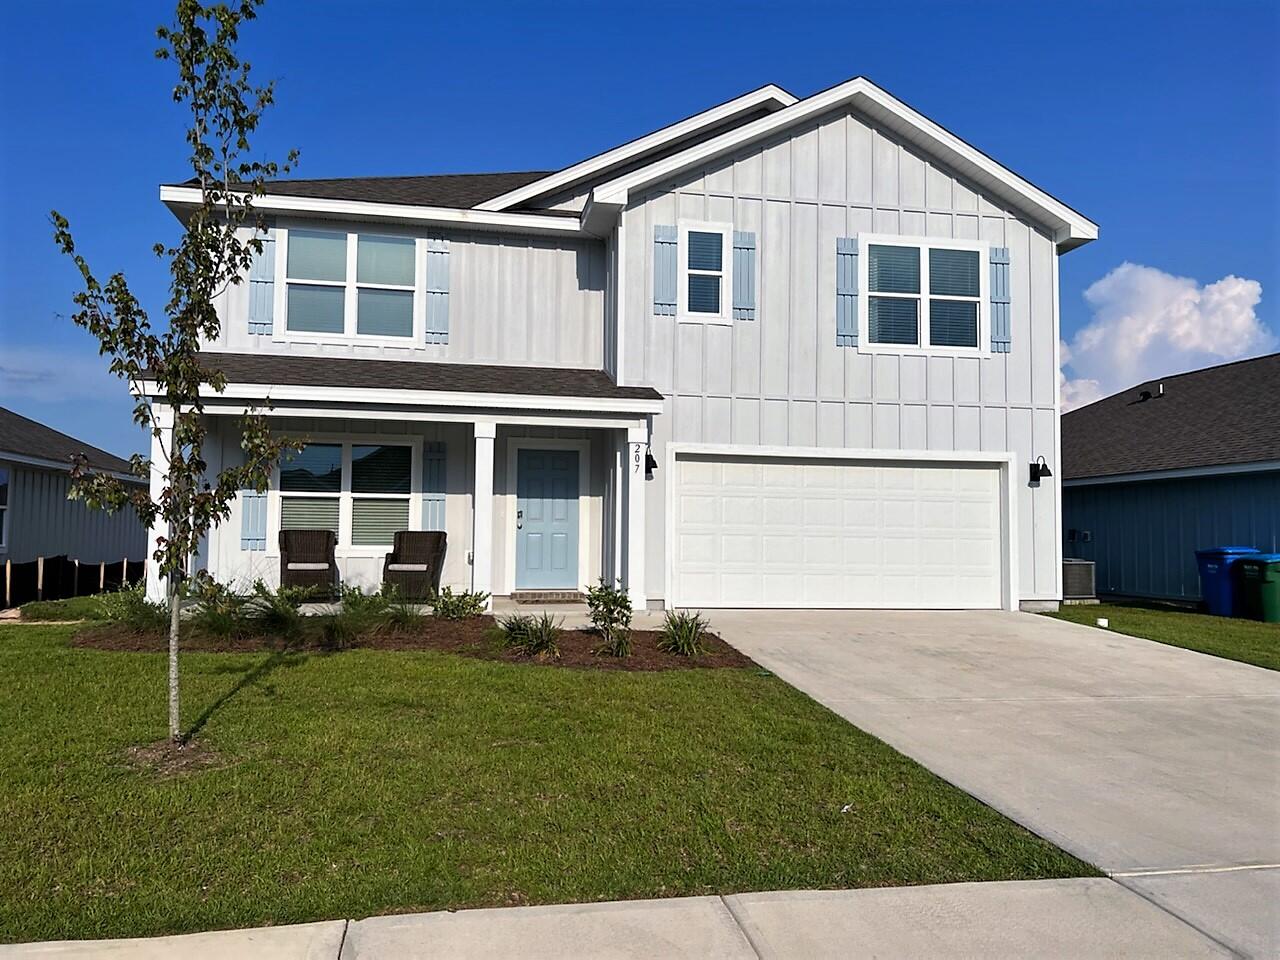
x=163, y=417
x=482, y=511
x=637, y=448
x=419, y=415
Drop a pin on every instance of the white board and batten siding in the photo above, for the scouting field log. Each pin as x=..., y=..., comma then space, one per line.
x=513, y=299
x=781, y=380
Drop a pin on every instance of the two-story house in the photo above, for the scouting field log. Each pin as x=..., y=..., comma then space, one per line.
x=783, y=353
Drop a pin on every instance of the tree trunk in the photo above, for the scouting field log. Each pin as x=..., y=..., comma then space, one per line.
x=175, y=728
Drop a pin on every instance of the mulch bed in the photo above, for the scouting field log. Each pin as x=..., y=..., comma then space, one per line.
x=476, y=637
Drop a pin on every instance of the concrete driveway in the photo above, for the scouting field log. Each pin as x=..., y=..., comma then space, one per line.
x=1159, y=765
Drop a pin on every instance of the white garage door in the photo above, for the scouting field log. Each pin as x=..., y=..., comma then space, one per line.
x=773, y=532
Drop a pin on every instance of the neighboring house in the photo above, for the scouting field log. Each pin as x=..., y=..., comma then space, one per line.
x=37, y=519
x=1152, y=474
x=783, y=353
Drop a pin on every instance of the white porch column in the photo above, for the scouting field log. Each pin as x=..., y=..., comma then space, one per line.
x=637, y=446
x=159, y=474
x=482, y=511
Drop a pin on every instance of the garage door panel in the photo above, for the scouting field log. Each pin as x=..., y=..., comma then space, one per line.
x=836, y=533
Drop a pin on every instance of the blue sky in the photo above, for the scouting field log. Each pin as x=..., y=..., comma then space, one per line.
x=1158, y=120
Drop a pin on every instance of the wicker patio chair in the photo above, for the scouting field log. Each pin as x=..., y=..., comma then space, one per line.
x=307, y=559
x=414, y=563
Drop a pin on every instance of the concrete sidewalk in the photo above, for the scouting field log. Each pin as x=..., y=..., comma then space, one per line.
x=1089, y=917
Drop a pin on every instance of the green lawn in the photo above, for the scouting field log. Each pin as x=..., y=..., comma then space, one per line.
x=370, y=782
x=73, y=608
x=1245, y=640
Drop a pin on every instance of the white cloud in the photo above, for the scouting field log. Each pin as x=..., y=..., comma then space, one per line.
x=1148, y=323
x=46, y=374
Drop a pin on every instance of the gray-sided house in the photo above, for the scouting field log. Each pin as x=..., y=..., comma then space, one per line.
x=1152, y=474
x=782, y=353
x=37, y=519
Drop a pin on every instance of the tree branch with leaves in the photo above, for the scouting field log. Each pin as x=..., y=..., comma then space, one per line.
x=162, y=366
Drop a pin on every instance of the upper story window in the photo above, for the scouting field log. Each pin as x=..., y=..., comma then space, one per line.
x=922, y=295
x=360, y=491
x=705, y=284
x=348, y=284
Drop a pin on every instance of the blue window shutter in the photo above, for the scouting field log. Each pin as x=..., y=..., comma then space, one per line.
x=1000, y=325
x=664, y=271
x=253, y=520
x=262, y=293
x=846, y=291
x=433, y=488
x=744, y=275
x=437, y=290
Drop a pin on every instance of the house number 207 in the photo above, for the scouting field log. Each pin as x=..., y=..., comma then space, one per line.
x=637, y=460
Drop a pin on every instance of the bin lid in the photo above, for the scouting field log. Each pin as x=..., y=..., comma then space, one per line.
x=1265, y=558
x=1226, y=551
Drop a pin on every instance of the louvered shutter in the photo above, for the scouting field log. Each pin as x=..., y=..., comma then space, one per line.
x=433, y=488
x=744, y=275
x=846, y=291
x=664, y=271
x=262, y=293
x=437, y=290
x=253, y=520
x=1000, y=323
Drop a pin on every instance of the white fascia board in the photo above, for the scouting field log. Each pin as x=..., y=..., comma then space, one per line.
x=267, y=392
x=1177, y=473
x=1070, y=228
x=179, y=197
x=64, y=466
x=594, y=166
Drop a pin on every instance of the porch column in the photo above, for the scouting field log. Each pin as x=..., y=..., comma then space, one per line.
x=159, y=473
x=482, y=511
x=637, y=445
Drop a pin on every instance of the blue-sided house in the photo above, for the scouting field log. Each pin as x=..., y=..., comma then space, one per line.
x=1152, y=474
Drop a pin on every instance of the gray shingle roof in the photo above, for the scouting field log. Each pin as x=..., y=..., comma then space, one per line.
x=440, y=190
x=423, y=375
x=1229, y=414
x=25, y=437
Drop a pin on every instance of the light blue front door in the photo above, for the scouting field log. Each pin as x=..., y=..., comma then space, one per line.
x=547, y=520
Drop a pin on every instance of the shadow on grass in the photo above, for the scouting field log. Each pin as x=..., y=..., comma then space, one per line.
x=248, y=678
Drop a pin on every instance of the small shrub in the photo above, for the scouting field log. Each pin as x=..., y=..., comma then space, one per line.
x=402, y=613
x=219, y=611
x=277, y=612
x=129, y=607
x=532, y=636
x=611, y=616
x=448, y=605
x=683, y=633
x=359, y=613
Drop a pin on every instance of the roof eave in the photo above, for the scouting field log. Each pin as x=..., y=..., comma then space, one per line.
x=1069, y=228
x=181, y=200
x=770, y=96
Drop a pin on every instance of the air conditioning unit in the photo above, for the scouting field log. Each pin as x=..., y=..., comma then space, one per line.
x=1078, y=580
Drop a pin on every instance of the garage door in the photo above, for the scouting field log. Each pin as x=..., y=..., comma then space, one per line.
x=771, y=532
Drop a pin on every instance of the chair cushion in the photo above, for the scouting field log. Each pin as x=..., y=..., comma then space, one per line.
x=407, y=567
x=308, y=566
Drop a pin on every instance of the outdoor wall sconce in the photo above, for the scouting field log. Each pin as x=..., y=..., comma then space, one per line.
x=1039, y=469
x=650, y=464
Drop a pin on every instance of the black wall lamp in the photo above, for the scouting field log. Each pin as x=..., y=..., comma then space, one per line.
x=650, y=464
x=1039, y=469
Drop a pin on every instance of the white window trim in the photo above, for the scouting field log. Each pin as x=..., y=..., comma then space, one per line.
x=351, y=285
x=346, y=497
x=683, y=315
x=924, y=244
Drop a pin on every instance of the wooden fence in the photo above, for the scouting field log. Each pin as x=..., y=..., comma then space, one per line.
x=56, y=578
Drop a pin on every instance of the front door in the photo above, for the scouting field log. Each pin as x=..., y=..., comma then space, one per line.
x=547, y=520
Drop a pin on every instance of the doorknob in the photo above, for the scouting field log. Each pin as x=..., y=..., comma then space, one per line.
x=519, y=519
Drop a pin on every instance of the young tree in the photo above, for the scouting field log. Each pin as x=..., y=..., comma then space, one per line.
x=215, y=250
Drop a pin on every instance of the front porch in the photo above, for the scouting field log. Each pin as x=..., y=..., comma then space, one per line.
x=534, y=492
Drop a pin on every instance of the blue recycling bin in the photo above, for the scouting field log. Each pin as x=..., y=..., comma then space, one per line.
x=1216, y=585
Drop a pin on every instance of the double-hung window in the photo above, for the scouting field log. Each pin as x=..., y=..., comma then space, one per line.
x=350, y=285
x=360, y=491
x=4, y=507
x=705, y=289
x=922, y=294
